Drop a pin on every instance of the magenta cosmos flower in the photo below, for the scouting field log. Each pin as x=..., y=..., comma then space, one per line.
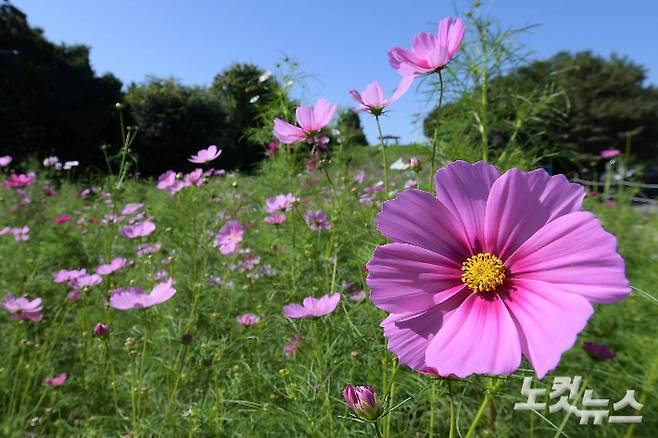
x=310, y=121
x=610, y=153
x=429, y=53
x=229, y=237
x=205, y=155
x=140, y=229
x=56, y=381
x=317, y=221
x=312, y=306
x=135, y=298
x=247, y=319
x=493, y=267
x=17, y=181
x=22, y=309
x=372, y=98
x=363, y=401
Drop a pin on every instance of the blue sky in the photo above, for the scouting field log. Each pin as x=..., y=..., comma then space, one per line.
x=341, y=44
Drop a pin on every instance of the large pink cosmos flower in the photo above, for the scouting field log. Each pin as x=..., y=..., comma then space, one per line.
x=372, y=98
x=17, y=181
x=135, y=298
x=310, y=121
x=140, y=229
x=429, y=53
x=205, y=155
x=229, y=237
x=493, y=267
x=22, y=309
x=313, y=306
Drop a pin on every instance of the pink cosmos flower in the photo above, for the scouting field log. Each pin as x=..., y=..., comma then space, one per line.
x=293, y=344
x=140, y=229
x=64, y=275
x=169, y=183
x=247, y=319
x=62, y=219
x=372, y=98
x=85, y=281
x=147, y=249
x=610, y=153
x=16, y=181
x=101, y=330
x=429, y=53
x=205, y=155
x=48, y=191
x=5, y=161
x=194, y=178
x=135, y=298
x=111, y=267
x=312, y=306
x=317, y=221
x=56, y=381
x=22, y=309
x=131, y=209
x=310, y=121
x=363, y=401
x=360, y=177
x=229, y=236
x=275, y=219
x=21, y=234
x=493, y=267
x=280, y=203
x=272, y=147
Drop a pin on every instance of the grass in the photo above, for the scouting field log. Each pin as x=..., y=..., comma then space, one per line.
x=231, y=380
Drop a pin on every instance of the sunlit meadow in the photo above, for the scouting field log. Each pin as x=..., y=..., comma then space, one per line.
x=214, y=303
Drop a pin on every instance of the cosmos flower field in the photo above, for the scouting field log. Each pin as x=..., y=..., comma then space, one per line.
x=335, y=291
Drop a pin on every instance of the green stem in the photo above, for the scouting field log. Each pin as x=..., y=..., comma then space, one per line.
x=384, y=160
x=451, y=434
x=436, y=130
x=433, y=398
x=391, y=397
x=488, y=398
x=378, y=430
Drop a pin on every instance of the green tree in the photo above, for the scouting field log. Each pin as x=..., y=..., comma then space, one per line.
x=174, y=121
x=51, y=99
x=245, y=92
x=351, y=131
x=574, y=105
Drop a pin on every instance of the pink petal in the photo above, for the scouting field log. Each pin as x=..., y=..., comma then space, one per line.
x=464, y=188
x=404, y=85
x=479, y=337
x=304, y=117
x=557, y=194
x=409, y=334
x=322, y=114
x=573, y=254
x=287, y=133
x=295, y=311
x=514, y=213
x=418, y=218
x=162, y=292
x=547, y=320
x=406, y=278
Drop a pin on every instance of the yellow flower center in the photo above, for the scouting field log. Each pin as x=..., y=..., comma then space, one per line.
x=483, y=272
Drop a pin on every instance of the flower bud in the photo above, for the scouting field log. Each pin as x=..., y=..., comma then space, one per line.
x=101, y=330
x=363, y=401
x=414, y=164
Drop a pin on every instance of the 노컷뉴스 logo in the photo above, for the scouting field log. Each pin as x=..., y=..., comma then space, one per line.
x=566, y=390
